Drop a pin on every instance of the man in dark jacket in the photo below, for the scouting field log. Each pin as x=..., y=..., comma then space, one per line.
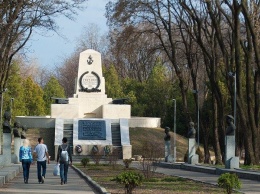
x=63, y=157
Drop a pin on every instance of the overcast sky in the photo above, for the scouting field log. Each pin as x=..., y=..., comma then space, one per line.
x=49, y=49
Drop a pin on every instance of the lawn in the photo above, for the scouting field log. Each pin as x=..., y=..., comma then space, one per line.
x=105, y=174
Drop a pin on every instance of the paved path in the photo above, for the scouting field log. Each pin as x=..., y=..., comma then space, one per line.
x=248, y=186
x=76, y=185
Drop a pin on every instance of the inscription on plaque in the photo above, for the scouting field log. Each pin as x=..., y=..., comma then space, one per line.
x=89, y=81
x=91, y=130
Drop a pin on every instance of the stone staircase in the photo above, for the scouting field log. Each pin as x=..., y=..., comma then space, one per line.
x=68, y=133
x=116, y=138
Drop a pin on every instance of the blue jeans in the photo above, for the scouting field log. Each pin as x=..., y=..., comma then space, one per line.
x=41, y=169
x=64, y=166
x=26, y=163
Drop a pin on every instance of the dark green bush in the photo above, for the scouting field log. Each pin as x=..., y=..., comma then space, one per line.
x=173, y=179
x=84, y=162
x=229, y=182
x=130, y=179
x=127, y=162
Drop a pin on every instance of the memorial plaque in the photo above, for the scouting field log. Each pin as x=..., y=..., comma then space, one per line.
x=91, y=130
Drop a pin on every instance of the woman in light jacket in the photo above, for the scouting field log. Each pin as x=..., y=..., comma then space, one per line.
x=25, y=156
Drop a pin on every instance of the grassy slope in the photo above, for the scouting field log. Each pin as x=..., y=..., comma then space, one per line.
x=156, y=136
x=138, y=136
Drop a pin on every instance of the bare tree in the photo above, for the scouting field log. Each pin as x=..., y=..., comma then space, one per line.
x=154, y=18
x=231, y=28
x=18, y=19
x=67, y=73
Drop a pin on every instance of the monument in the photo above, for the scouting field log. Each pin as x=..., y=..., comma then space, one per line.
x=231, y=161
x=167, y=143
x=17, y=142
x=90, y=118
x=193, y=158
x=6, y=158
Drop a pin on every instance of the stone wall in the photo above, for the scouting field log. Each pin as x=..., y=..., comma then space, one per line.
x=48, y=137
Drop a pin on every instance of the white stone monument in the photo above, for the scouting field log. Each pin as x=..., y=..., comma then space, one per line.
x=17, y=144
x=193, y=158
x=90, y=111
x=231, y=161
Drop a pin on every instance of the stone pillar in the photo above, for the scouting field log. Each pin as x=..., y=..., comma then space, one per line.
x=17, y=145
x=7, y=148
x=231, y=161
x=168, y=156
x=193, y=158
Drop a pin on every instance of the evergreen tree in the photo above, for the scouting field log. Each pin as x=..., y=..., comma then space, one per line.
x=113, y=87
x=52, y=89
x=158, y=93
x=33, y=98
x=13, y=98
x=134, y=91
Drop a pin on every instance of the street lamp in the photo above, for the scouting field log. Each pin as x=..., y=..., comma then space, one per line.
x=233, y=74
x=4, y=90
x=174, y=129
x=11, y=106
x=198, y=115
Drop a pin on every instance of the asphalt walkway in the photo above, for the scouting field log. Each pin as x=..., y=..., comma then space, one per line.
x=248, y=186
x=76, y=184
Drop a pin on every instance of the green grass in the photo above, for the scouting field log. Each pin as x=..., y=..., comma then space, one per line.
x=159, y=183
x=250, y=167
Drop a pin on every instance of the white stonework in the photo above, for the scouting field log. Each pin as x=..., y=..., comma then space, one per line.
x=90, y=94
x=124, y=131
x=18, y=142
x=149, y=122
x=127, y=151
x=114, y=111
x=193, y=158
x=90, y=61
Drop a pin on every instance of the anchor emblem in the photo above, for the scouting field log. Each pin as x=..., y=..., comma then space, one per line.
x=90, y=60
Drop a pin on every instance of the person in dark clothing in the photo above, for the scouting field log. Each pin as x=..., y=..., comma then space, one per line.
x=64, y=157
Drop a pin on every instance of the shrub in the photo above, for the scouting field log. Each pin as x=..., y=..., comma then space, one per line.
x=127, y=162
x=96, y=154
x=113, y=157
x=151, y=154
x=130, y=179
x=84, y=162
x=229, y=182
x=200, y=154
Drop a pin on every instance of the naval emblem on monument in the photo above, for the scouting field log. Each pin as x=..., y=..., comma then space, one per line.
x=89, y=81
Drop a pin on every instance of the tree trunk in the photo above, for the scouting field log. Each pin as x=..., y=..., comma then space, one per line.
x=216, y=144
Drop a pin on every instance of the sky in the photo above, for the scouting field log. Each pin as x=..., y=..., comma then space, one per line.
x=50, y=49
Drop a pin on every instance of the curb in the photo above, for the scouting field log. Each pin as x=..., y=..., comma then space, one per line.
x=93, y=183
x=8, y=173
x=182, y=167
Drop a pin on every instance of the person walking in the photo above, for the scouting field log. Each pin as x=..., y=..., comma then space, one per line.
x=63, y=157
x=25, y=156
x=41, y=152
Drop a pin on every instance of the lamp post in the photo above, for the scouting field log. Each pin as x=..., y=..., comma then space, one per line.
x=2, y=100
x=174, y=129
x=11, y=106
x=198, y=115
x=233, y=74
